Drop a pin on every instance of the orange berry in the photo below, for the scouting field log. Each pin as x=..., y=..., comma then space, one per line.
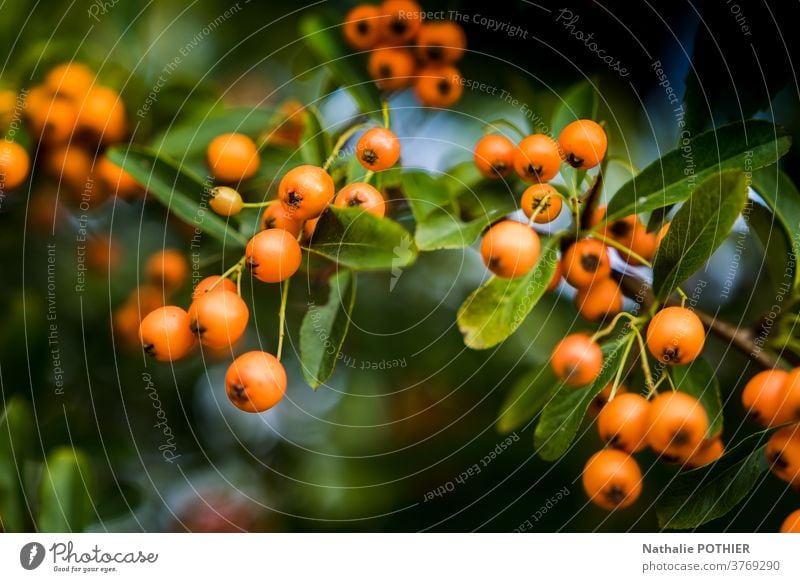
x=675, y=335
x=165, y=334
x=391, y=68
x=255, y=381
x=116, y=179
x=586, y=262
x=601, y=299
x=205, y=286
x=789, y=403
x=792, y=522
x=233, y=157
x=362, y=29
x=583, y=143
x=273, y=255
x=400, y=21
x=556, y=279
x=277, y=216
x=146, y=299
x=226, y=201
x=494, y=156
x=612, y=479
x=378, y=149
x=309, y=226
x=661, y=234
x=577, y=360
x=438, y=86
x=678, y=424
x=167, y=269
x=218, y=319
x=545, y=199
x=54, y=121
x=623, y=422
x=72, y=80
x=102, y=113
x=537, y=159
x=305, y=192
x=510, y=249
x=72, y=166
x=441, y=42
x=14, y=165
x=763, y=395
x=783, y=454
x=707, y=452
x=361, y=195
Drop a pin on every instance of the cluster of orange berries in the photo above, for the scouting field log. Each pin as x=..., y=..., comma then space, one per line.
x=217, y=317
x=406, y=50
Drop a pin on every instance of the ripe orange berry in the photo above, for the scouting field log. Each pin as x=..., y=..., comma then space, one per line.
x=623, y=422
x=14, y=165
x=146, y=298
x=438, y=86
x=792, y=522
x=583, y=143
x=273, y=255
x=378, y=149
x=400, y=21
x=233, y=157
x=72, y=166
x=305, y=192
x=53, y=121
x=763, y=395
x=167, y=269
x=494, y=156
x=675, y=335
x=612, y=479
x=642, y=243
x=277, y=216
x=126, y=325
x=536, y=158
x=585, y=262
x=226, y=201
x=678, y=424
x=116, y=179
x=577, y=360
x=661, y=234
x=707, y=452
x=205, y=286
x=545, y=199
x=783, y=454
x=510, y=249
x=361, y=28
x=72, y=80
x=556, y=279
x=218, y=319
x=361, y=195
x=601, y=299
x=441, y=42
x=102, y=113
x=789, y=402
x=255, y=381
x=165, y=334
x=391, y=68
x=622, y=229
x=309, y=226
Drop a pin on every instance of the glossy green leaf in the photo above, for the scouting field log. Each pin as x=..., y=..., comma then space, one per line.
x=579, y=102
x=324, y=329
x=496, y=310
x=324, y=39
x=179, y=190
x=16, y=447
x=698, y=229
x=696, y=497
x=672, y=178
x=361, y=241
x=65, y=492
x=448, y=213
x=527, y=397
x=779, y=262
x=700, y=380
x=562, y=416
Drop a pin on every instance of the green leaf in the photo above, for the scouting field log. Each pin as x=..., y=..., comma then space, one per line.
x=191, y=138
x=700, y=226
x=325, y=41
x=16, y=446
x=562, y=416
x=782, y=196
x=448, y=213
x=361, y=241
x=579, y=102
x=324, y=328
x=696, y=497
x=65, y=493
x=495, y=310
x=179, y=190
x=672, y=178
x=779, y=261
x=526, y=398
x=315, y=144
x=699, y=380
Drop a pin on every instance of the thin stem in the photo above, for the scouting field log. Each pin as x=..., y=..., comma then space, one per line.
x=539, y=207
x=648, y=374
x=620, y=247
x=610, y=327
x=492, y=127
x=682, y=295
x=259, y=204
x=348, y=133
x=368, y=176
x=385, y=111
x=618, y=376
x=234, y=269
x=239, y=282
x=282, y=318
